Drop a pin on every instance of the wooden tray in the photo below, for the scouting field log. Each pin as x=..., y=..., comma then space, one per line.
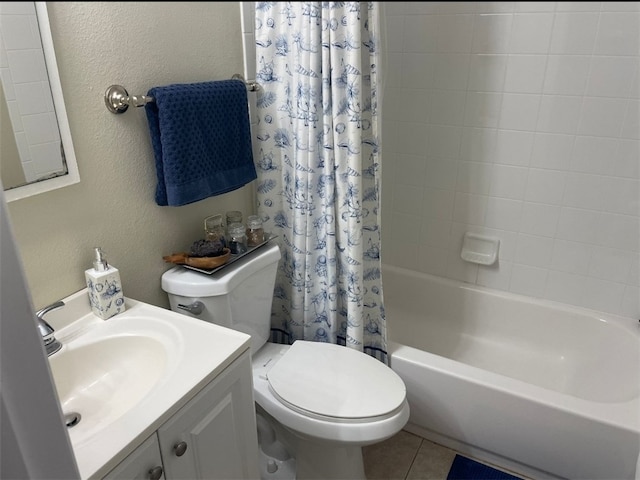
x=183, y=258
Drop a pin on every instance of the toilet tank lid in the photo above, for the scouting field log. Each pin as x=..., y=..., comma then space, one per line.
x=189, y=283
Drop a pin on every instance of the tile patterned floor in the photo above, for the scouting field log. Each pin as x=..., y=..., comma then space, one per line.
x=406, y=456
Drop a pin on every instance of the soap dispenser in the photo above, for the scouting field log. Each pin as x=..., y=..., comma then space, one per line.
x=105, y=289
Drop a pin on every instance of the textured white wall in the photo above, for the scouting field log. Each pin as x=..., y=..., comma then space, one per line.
x=138, y=45
x=519, y=120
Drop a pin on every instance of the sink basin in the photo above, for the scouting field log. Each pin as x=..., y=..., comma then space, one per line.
x=100, y=380
x=119, y=379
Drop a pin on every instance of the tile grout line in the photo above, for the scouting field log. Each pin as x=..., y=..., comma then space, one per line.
x=415, y=455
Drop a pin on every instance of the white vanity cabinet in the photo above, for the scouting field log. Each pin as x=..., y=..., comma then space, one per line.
x=213, y=436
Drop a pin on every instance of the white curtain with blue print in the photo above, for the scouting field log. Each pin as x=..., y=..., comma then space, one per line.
x=318, y=169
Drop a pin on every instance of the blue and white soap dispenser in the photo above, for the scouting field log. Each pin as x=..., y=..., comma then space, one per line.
x=105, y=289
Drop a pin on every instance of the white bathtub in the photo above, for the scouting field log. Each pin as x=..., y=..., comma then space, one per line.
x=545, y=389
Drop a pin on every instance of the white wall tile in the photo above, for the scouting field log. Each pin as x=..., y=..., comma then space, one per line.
x=571, y=257
x=519, y=111
x=531, y=33
x=535, y=6
x=630, y=302
x=534, y=251
x=602, y=295
x=408, y=200
x=443, y=141
x=469, y=208
x=412, y=138
x=540, y=219
x=583, y=191
x=611, y=265
x=496, y=276
x=612, y=76
x=503, y=214
x=559, y=114
x=618, y=34
x=491, y=33
x=579, y=225
x=445, y=107
x=482, y=109
x=451, y=71
x=26, y=65
x=486, y=72
x=417, y=70
x=631, y=124
x=552, y=151
x=618, y=231
x=545, y=186
x=458, y=269
x=514, y=147
x=574, y=33
x=565, y=287
x=478, y=144
x=527, y=280
x=508, y=182
x=525, y=73
x=578, y=6
x=602, y=117
x=593, y=154
x=454, y=33
x=410, y=170
x=566, y=74
x=441, y=173
x=438, y=203
x=474, y=177
x=620, y=195
x=420, y=33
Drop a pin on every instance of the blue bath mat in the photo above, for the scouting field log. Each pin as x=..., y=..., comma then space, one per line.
x=464, y=468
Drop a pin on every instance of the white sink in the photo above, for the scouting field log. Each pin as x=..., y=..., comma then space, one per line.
x=104, y=374
x=119, y=379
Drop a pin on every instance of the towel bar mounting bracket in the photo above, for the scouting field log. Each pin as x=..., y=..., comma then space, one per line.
x=118, y=100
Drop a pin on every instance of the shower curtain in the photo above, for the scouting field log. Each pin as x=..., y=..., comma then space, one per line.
x=318, y=169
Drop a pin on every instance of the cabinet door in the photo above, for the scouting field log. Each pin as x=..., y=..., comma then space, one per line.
x=144, y=463
x=214, y=436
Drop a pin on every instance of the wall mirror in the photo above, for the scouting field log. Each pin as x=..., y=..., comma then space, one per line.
x=36, y=151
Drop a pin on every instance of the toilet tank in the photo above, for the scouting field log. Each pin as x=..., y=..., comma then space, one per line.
x=238, y=296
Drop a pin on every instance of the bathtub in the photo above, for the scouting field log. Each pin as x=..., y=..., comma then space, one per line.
x=542, y=388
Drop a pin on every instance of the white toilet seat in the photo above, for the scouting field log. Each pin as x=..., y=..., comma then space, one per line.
x=311, y=378
x=309, y=416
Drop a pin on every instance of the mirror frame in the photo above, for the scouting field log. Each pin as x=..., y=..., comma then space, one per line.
x=73, y=175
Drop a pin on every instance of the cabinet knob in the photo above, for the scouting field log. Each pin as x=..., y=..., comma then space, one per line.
x=155, y=473
x=179, y=448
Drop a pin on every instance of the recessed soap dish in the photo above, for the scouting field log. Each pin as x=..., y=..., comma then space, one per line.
x=480, y=249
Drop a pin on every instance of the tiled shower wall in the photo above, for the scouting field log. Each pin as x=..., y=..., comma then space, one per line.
x=518, y=120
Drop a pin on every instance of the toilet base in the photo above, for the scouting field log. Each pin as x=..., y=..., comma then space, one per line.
x=309, y=458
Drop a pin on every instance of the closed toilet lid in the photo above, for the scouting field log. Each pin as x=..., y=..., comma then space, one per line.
x=335, y=381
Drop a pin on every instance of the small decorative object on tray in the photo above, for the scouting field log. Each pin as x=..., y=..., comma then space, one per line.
x=205, y=254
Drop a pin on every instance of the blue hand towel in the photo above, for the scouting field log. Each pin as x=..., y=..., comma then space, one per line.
x=201, y=140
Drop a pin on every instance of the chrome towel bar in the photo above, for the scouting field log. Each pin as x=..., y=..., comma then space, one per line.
x=118, y=100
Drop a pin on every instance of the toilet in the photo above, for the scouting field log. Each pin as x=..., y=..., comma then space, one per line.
x=316, y=403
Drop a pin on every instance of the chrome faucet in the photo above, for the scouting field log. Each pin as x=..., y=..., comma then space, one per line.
x=51, y=345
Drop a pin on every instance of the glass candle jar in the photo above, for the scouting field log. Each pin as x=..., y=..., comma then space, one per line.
x=214, y=230
x=234, y=216
x=255, y=232
x=237, y=240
